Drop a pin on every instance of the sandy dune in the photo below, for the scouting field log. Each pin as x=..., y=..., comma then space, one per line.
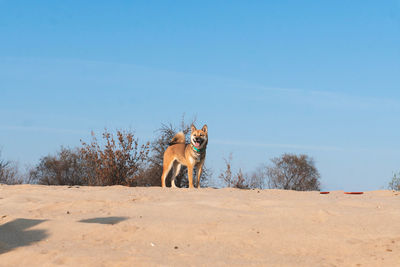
x=121, y=226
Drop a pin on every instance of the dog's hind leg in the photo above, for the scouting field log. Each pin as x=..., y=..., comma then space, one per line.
x=166, y=169
x=176, y=167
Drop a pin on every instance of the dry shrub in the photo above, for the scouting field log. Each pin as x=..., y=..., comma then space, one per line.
x=238, y=180
x=67, y=167
x=227, y=175
x=9, y=172
x=394, y=184
x=258, y=178
x=117, y=162
x=293, y=172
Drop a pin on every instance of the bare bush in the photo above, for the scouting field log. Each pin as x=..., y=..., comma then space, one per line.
x=9, y=172
x=227, y=175
x=293, y=172
x=394, y=184
x=258, y=178
x=240, y=180
x=235, y=180
x=118, y=162
x=66, y=167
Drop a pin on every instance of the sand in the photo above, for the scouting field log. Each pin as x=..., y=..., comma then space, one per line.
x=121, y=226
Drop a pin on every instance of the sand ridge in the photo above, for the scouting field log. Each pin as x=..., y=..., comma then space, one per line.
x=126, y=226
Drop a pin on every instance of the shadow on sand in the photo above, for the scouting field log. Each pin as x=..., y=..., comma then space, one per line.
x=105, y=220
x=16, y=234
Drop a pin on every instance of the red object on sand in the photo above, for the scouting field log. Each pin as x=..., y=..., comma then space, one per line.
x=349, y=193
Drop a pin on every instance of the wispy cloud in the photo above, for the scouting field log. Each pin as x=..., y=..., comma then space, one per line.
x=321, y=98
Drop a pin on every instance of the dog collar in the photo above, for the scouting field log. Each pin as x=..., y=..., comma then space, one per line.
x=198, y=150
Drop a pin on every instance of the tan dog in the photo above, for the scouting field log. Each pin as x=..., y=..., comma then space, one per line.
x=190, y=155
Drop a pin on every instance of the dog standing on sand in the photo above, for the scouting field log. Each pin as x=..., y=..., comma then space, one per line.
x=190, y=155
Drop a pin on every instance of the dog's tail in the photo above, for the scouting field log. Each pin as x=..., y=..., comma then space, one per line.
x=179, y=138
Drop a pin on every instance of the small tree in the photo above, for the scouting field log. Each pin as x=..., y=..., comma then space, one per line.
x=293, y=172
x=394, y=184
x=117, y=162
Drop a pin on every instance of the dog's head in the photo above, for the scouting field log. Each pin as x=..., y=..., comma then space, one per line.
x=199, y=138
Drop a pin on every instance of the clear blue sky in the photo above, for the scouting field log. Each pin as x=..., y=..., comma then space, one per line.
x=268, y=77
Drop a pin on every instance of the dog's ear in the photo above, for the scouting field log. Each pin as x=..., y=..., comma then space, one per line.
x=205, y=128
x=193, y=128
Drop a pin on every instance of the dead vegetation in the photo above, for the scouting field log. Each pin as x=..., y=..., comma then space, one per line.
x=231, y=179
x=120, y=159
x=394, y=184
x=117, y=162
x=9, y=173
x=293, y=172
x=66, y=167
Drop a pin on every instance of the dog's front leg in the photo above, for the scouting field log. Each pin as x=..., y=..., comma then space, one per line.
x=190, y=175
x=199, y=170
